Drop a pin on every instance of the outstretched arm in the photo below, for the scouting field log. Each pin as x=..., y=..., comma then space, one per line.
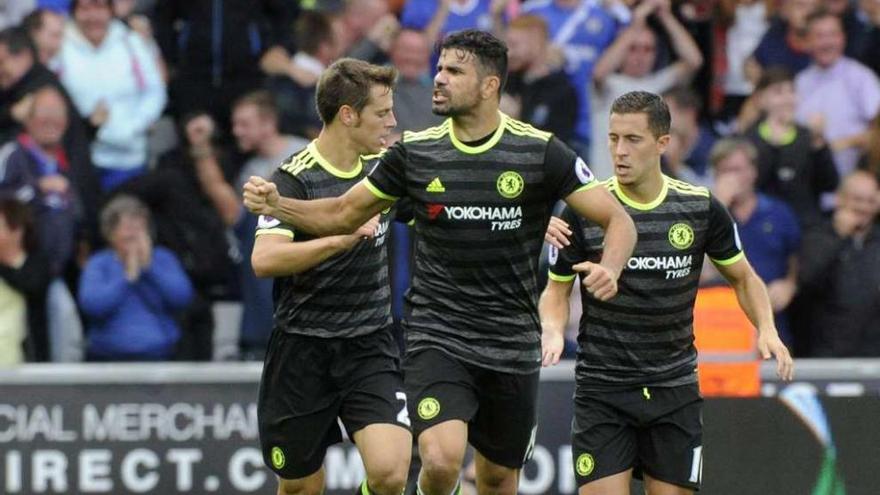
x=753, y=299
x=321, y=217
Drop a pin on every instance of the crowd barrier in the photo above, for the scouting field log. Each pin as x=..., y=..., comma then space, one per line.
x=181, y=428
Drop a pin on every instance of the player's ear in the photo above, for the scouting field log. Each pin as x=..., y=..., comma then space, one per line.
x=490, y=87
x=347, y=115
x=662, y=143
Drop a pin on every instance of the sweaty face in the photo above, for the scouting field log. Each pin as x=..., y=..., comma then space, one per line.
x=634, y=150
x=375, y=121
x=457, y=83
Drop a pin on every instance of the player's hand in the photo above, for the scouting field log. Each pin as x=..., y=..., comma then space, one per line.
x=368, y=230
x=557, y=233
x=599, y=281
x=260, y=196
x=769, y=345
x=552, y=344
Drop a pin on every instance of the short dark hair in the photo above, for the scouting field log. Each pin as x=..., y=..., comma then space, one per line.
x=312, y=30
x=348, y=82
x=263, y=100
x=17, y=41
x=490, y=52
x=648, y=103
x=774, y=75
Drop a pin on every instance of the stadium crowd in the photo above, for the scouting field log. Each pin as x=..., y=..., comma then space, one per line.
x=128, y=127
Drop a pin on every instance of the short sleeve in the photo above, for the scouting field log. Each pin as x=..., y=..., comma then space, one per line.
x=562, y=261
x=289, y=187
x=723, y=246
x=387, y=179
x=566, y=172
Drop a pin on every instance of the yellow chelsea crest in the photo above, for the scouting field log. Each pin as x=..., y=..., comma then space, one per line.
x=681, y=236
x=510, y=184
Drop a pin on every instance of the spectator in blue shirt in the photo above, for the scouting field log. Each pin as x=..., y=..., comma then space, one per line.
x=130, y=291
x=582, y=30
x=767, y=227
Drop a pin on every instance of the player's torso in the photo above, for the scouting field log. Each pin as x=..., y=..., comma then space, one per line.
x=347, y=294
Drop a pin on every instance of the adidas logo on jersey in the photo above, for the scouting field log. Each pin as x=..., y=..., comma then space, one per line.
x=435, y=186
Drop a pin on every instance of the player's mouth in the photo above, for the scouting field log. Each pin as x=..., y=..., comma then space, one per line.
x=439, y=96
x=621, y=168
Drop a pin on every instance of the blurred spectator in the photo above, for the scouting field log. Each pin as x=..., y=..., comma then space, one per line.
x=439, y=17
x=794, y=163
x=46, y=29
x=738, y=28
x=255, y=127
x=870, y=160
x=36, y=167
x=115, y=83
x=536, y=92
x=295, y=96
x=411, y=55
x=365, y=30
x=24, y=279
x=580, y=30
x=836, y=93
x=695, y=140
x=840, y=274
x=13, y=11
x=863, y=34
x=634, y=54
x=130, y=291
x=124, y=10
x=767, y=226
x=785, y=42
x=213, y=48
x=20, y=76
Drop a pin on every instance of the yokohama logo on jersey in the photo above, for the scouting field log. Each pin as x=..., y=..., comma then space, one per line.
x=502, y=218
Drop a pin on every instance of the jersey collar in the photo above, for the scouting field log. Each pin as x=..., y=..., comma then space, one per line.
x=635, y=204
x=326, y=165
x=473, y=150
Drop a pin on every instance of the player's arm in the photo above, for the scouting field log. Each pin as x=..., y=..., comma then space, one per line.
x=322, y=217
x=726, y=253
x=553, y=307
x=755, y=302
x=597, y=205
x=277, y=255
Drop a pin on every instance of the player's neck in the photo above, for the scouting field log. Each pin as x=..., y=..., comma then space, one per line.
x=646, y=190
x=476, y=125
x=336, y=148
